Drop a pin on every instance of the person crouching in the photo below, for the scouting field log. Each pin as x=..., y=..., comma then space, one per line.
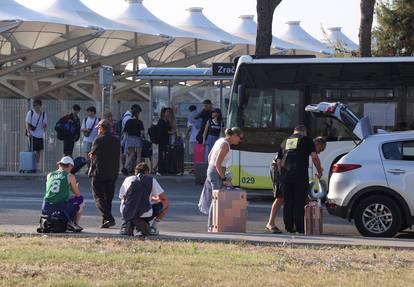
x=59, y=186
x=143, y=202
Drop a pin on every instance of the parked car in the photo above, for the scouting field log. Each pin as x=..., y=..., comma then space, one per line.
x=374, y=183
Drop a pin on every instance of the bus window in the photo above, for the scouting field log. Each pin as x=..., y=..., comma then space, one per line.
x=268, y=117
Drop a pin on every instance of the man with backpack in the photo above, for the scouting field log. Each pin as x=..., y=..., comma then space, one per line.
x=36, y=123
x=68, y=130
x=143, y=202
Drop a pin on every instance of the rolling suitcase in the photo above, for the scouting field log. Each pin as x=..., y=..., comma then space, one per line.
x=200, y=172
x=199, y=153
x=229, y=210
x=175, y=159
x=313, y=218
x=27, y=160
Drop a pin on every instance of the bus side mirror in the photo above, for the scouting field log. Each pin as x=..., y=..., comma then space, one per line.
x=241, y=95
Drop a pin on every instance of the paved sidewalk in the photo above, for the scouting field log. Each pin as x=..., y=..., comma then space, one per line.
x=35, y=176
x=253, y=238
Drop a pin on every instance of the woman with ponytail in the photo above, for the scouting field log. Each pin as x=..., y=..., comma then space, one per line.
x=219, y=159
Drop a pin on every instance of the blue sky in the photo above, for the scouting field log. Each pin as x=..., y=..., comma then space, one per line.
x=313, y=14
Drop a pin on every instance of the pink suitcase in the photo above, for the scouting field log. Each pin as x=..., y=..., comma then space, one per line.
x=199, y=150
x=229, y=210
x=313, y=218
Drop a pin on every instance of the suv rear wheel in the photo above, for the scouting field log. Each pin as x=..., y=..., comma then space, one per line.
x=378, y=216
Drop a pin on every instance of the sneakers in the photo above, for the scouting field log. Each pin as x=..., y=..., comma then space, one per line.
x=72, y=226
x=108, y=223
x=153, y=231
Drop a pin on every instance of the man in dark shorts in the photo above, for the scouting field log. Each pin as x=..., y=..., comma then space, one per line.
x=36, y=123
x=320, y=145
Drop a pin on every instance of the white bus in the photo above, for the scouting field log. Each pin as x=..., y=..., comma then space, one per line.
x=269, y=96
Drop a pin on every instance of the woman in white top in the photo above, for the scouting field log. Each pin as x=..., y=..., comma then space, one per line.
x=218, y=161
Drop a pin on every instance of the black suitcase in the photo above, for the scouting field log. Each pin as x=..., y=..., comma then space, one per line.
x=200, y=172
x=175, y=159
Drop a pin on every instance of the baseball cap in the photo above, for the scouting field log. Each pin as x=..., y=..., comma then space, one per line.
x=104, y=123
x=66, y=160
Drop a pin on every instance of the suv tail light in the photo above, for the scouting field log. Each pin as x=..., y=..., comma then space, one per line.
x=338, y=167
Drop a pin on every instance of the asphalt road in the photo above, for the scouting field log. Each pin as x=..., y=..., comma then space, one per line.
x=21, y=199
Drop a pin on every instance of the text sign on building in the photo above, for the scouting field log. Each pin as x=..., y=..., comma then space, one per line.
x=223, y=69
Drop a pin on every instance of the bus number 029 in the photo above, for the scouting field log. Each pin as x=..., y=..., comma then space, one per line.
x=247, y=180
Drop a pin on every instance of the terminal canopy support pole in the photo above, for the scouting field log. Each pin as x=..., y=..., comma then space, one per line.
x=150, y=110
x=221, y=95
x=169, y=93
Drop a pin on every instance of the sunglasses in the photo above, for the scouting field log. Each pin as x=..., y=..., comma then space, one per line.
x=241, y=137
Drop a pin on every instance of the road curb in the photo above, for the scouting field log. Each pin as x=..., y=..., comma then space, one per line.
x=276, y=240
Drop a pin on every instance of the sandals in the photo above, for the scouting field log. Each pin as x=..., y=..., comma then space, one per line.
x=273, y=229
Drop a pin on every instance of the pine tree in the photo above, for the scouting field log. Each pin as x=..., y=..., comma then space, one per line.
x=394, y=35
x=265, y=10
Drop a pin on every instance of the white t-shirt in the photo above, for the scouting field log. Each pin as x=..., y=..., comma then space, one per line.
x=40, y=120
x=195, y=126
x=215, y=152
x=90, y=124
x=155, y=191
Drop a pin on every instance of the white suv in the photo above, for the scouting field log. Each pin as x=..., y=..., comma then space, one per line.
x=374, y=184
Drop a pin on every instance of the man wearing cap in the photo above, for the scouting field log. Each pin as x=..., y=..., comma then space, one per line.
x=59, y=185
x=204, y=115
x=104, y=155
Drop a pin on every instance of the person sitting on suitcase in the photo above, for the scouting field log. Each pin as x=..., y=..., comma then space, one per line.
x=320, y=145
x=293, y=160
x=143, y=198
x=219, y=159
x=59, y=186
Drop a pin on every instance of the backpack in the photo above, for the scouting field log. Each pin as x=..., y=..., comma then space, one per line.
x=51, y=224
x=118, y=125
x=136, y=198
x=62, y=128
x=154, y=134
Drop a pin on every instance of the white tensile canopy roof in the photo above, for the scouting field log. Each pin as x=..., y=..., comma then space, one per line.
x=296, y=35
x=247, y=28
x=196, y=22
x=116, y=37
x=336, y=37
x=36, y=30
x=185, y=45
